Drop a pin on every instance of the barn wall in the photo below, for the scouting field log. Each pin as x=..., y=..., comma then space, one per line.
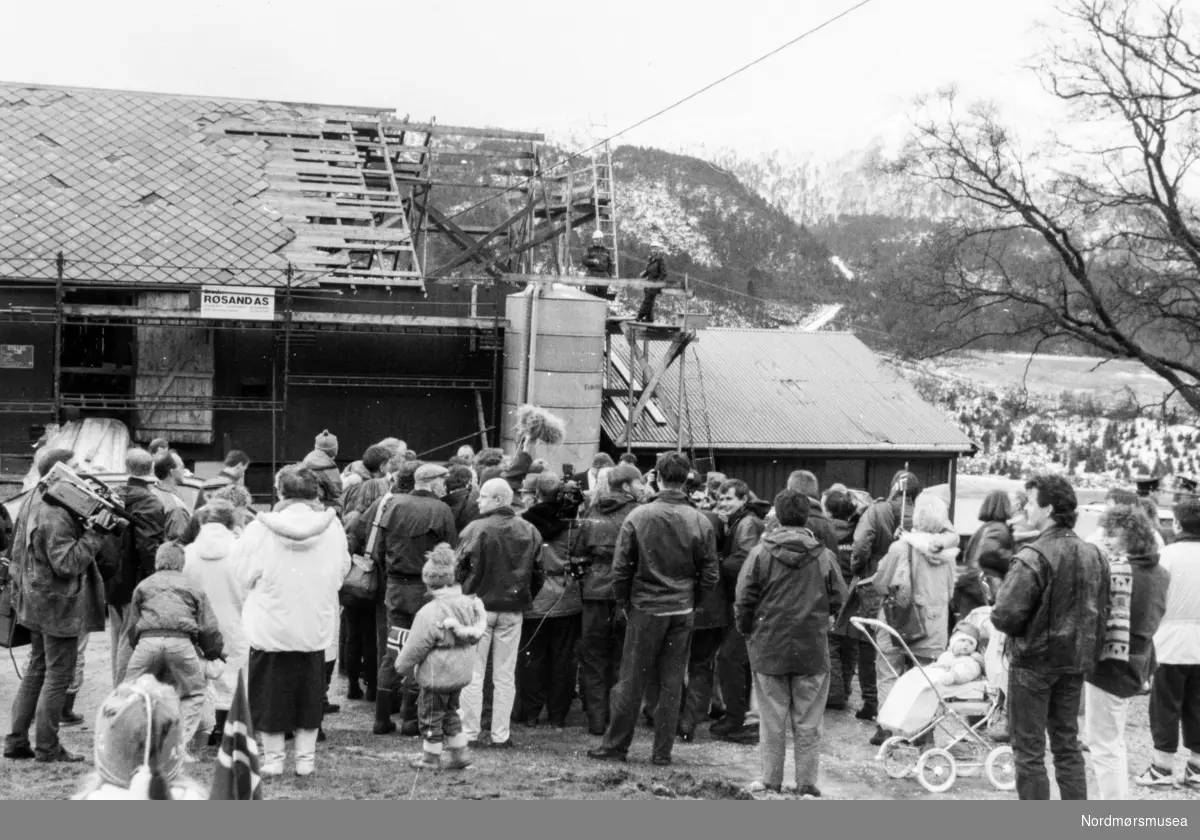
x=36, y=384
x=767, y=473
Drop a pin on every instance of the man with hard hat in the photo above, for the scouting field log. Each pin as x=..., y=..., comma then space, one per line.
x=656, y=271
x=599, y=263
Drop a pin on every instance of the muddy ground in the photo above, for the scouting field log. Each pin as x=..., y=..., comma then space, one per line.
x=546, y=763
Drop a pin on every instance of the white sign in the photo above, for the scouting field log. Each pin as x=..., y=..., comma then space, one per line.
x=246, y=303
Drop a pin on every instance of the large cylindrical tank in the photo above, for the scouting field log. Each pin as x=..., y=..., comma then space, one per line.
x=567, y=374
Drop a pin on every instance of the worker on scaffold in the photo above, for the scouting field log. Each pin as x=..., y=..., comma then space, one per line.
x=599, y=263
x=655, y=271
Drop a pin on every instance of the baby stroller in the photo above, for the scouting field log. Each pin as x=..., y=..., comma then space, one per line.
x=927, y=708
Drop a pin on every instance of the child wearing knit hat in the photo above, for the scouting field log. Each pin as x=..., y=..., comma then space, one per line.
x=440, y=651
x=139, y=751
x=171, y=625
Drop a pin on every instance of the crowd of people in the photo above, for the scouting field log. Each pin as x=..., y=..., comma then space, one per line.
x=464, y=598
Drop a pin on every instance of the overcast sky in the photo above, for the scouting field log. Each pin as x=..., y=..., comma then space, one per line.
x=556, y=66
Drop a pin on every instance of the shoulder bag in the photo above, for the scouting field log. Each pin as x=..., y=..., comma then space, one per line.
x=905, y=618
x=362, y=584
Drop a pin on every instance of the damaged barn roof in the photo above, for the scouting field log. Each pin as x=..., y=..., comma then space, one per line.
x=776, y=390
x=162, y=188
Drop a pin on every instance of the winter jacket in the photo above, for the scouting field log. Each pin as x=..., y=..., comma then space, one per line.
x=844, y=532
x=1147, y=605
x=598, y=261
x=742, y=533
x=496, y=557
x=875, y=533
x=598, y=540
x=209, y=565
x=665, y=549
x=169, y=603
x=177, y=514
x=929, y=584
x=354, y=474
x=356, y=501
x=714, y=608
x=970, y=592
x=464, y=505
x=412, y=524
x=1177, y=641
x=51, y=553
x=556, y=592
x=1054, y=604
x=141, y=539
x=788, y=588
x=656, y=268
x=991, y=548
x=440, y=647
x=291, y=563
x=329, y=477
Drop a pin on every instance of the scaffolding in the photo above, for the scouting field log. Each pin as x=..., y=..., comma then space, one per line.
x=358, y=190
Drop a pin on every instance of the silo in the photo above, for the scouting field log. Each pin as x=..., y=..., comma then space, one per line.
x=567, y=374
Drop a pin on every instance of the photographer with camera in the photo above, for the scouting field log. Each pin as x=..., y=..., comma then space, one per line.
x=53, y=553
x=603, y=624
x=550, y=630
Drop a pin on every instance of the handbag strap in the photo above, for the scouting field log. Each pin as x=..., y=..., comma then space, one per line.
x=370, y=549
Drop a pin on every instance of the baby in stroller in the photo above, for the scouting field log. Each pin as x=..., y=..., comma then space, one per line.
x=954, y=697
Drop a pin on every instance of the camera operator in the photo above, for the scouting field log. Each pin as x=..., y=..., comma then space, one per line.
x=550, y=629
x=53, y=558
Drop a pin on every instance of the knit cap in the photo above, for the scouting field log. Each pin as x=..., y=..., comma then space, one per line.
x=169, y=557
x=440, y=566
x=406, y=477
x=964, y=629
x=138, y=737
x=327, y=443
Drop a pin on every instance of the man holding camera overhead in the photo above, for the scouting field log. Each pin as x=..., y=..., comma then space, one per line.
x=53, y=551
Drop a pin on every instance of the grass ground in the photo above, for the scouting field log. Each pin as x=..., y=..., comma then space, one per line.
x=546, y=764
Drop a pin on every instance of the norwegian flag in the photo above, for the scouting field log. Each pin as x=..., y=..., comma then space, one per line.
x=237, y=760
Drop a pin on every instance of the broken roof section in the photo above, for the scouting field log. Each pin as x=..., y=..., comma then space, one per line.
x=159, y=188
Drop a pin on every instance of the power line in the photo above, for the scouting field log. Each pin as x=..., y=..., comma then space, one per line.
x=670, y=107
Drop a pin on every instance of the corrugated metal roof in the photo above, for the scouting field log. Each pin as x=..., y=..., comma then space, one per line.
x=774, y=390
x=129, y=184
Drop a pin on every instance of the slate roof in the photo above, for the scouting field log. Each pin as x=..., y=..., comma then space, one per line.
x=776, y=390
x=140, y=187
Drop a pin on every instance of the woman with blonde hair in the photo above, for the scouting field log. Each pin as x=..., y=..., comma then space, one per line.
x=918, y=569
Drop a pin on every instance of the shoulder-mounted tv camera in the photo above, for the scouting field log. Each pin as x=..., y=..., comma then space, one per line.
x=88, y=499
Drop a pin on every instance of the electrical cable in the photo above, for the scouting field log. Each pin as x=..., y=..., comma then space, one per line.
x=670, y=107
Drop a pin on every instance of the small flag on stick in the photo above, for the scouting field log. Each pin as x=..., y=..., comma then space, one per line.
x=237, y=760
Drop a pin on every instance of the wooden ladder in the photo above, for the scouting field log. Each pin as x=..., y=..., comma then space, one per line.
x=604, y=200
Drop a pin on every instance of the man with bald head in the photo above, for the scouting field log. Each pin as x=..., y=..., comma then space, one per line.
x=496, y=557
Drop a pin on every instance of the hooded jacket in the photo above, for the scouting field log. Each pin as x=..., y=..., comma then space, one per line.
x=665, y=551
x=168, y=603
x=328, y=477
x=440, y=647
x=788, y=588
x=1054, y=604
x=598, y=541
x=291, y=562
x=928, y=582
x=1147, y=603
x=496, y=558
x=354, y=474
x=208, y=562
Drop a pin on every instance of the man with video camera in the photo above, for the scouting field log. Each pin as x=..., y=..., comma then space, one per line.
x=52, y=555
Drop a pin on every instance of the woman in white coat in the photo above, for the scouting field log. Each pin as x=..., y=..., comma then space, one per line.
x=208, y=562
